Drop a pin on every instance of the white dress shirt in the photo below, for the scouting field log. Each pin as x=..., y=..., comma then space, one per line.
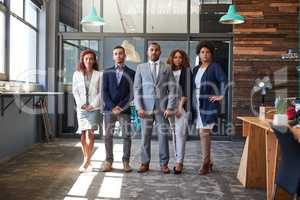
x=119, y=72
x=157, y=66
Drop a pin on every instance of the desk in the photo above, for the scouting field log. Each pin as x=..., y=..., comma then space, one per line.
x=259, y=160
x=22, y=95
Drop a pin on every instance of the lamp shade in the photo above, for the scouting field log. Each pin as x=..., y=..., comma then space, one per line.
x=232, y=17
x=92, y=19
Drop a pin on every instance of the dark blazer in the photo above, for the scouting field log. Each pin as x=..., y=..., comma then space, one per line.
x=185, y=84
x=115, y=94
x=212, y=84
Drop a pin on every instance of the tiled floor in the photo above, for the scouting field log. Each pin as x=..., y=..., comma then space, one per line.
x=50, y=171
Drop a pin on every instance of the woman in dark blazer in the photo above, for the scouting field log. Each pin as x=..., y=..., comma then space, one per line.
x=208, y=83
x=179, y=62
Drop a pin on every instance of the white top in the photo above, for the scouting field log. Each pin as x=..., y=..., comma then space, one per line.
x=87, y=81
x=199, y=77
x=157, y=66
x=177, y=74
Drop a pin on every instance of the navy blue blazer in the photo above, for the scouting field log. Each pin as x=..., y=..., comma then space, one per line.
x=115, y=94
x=213, y=83
x=186, y=86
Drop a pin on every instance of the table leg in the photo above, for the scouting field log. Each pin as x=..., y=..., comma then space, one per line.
x=271, y=155
x=252, y=171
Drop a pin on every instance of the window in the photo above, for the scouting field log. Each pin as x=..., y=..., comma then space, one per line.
x=205, y=17
x=213, y=1
x=17, y=7
x=168, y=46
x=123, y=17
x=210, y=1
x=71, y=57
x=31, y=13
x=173, y=13
x=23, y=43
x=135, y=53
x=72, y=49
x=86, y=8
x=2, y=42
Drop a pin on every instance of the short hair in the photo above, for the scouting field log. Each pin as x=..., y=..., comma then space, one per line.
x=185, y=58
x=207, y=45
x=119, y=47
x=80, y=66
x=154, y=43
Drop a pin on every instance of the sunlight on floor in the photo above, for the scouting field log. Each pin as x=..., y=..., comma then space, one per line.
x=112, y=182
x=111, y=185
x=75, y=198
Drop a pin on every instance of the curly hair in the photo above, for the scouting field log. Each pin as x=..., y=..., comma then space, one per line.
x=185, y=58
x=81, y=67
x=207, y=45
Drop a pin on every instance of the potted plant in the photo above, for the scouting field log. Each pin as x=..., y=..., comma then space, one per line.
x=280, y=118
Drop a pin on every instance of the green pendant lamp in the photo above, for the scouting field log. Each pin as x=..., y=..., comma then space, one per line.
x=232, y=17
x=92, y=19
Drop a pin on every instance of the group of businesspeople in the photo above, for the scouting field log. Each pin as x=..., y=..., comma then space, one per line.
x=167, y=96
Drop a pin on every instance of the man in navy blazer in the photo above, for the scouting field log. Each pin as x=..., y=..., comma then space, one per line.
x=117, y=96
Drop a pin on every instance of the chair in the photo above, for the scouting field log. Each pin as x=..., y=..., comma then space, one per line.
x=288, y=175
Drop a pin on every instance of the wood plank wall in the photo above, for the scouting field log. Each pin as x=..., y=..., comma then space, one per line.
x=271, y=28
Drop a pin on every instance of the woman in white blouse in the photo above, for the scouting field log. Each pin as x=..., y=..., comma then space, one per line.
x=86, y=91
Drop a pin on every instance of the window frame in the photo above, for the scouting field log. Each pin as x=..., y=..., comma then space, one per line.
x=145, y=19
x=4, y=75
x=5, y=6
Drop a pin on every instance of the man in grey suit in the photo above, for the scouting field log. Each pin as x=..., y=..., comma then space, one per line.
x=154, y=99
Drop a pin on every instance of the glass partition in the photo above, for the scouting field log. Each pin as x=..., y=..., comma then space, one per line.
x=71, y=51
x=2, y=42
x=136, y=45
x=167, y=16
x=123, y=17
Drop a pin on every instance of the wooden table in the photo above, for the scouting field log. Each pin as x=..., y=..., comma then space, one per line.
x=260, y=156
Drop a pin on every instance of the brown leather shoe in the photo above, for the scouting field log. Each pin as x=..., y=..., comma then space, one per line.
x=143, y=168
x=107, y=167
x=165, y=169
x=126, y=167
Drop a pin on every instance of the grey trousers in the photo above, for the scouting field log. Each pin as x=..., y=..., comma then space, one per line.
x=162, y=125
x=109, y=126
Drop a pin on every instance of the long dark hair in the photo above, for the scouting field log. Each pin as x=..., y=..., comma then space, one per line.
x=185, y=58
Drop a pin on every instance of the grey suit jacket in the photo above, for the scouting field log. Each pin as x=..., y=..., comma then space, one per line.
x=147, y=92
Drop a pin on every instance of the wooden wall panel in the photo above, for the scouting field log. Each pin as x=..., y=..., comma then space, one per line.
x=271, y=28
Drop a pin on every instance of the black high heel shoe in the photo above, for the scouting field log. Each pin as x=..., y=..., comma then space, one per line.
x=178, y=168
